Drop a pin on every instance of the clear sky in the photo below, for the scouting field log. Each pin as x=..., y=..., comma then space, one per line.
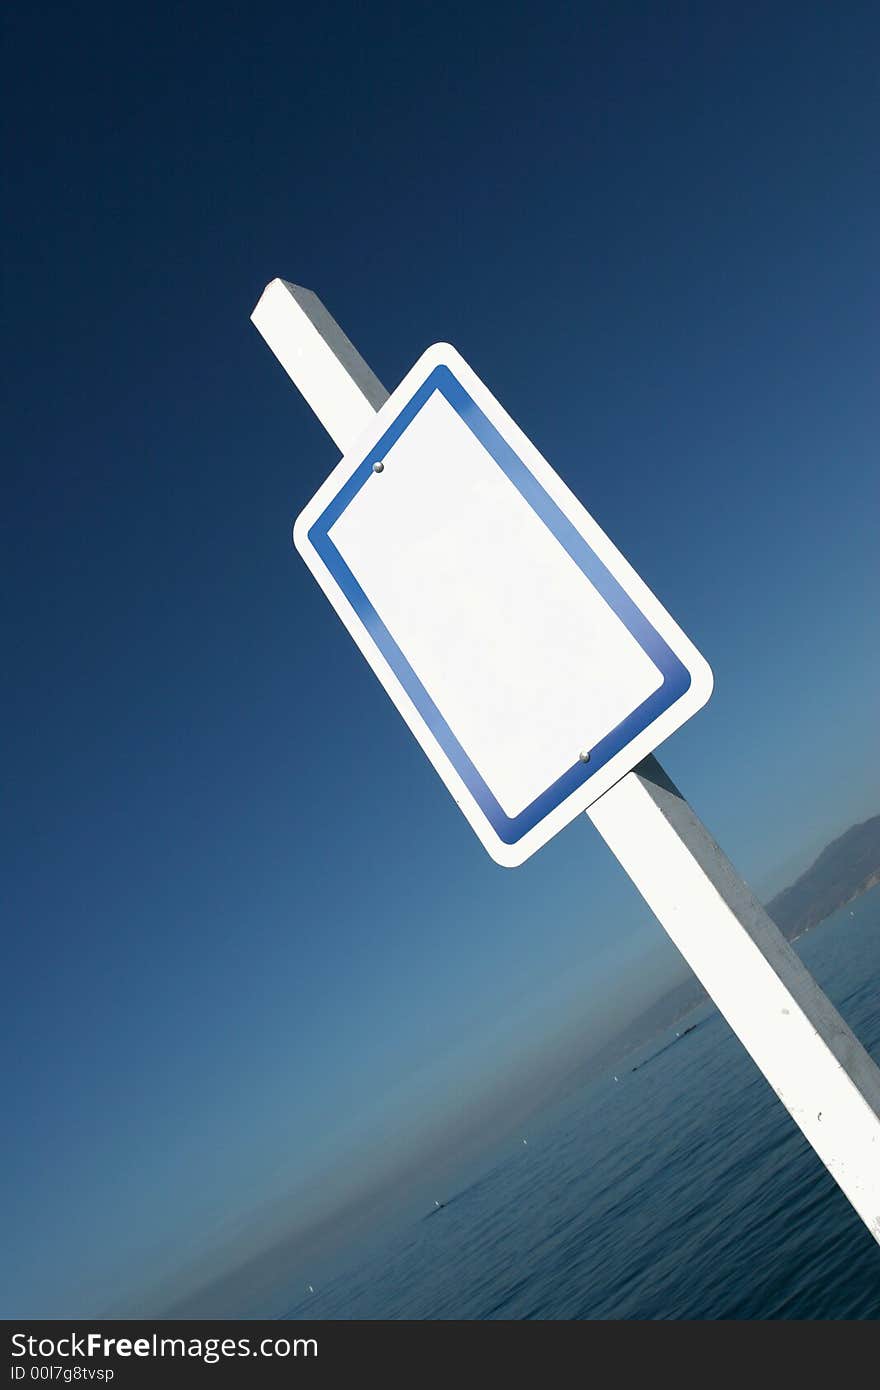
x=253, y=953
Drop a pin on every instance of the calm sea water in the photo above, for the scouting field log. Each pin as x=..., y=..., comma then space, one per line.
x=682, y=1190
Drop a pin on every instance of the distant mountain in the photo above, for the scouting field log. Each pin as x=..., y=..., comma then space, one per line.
x=847, y=867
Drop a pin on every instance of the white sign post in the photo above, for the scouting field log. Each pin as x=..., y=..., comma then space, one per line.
x=538, y=672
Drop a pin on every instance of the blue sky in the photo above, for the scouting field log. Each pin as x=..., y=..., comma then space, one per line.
x=248, y=937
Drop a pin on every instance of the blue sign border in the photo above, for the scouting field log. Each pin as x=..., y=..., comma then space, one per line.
x=676, y=677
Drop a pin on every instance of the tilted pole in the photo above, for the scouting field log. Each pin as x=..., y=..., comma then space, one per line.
x=811, y=1058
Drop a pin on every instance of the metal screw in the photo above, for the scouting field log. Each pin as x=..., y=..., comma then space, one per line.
x=583, y=757
x=378, y=466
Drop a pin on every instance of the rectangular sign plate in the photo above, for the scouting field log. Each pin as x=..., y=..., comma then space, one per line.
x=527, y=657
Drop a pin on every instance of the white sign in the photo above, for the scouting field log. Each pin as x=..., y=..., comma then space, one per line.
x=529, y=660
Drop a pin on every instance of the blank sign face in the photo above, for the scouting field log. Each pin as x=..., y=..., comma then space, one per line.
x=525, y=658
x=532, y=664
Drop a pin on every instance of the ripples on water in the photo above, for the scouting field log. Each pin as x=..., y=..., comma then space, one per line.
x=682, y=1191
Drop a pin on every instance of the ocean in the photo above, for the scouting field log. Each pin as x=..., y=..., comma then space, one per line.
x=680, y=1190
